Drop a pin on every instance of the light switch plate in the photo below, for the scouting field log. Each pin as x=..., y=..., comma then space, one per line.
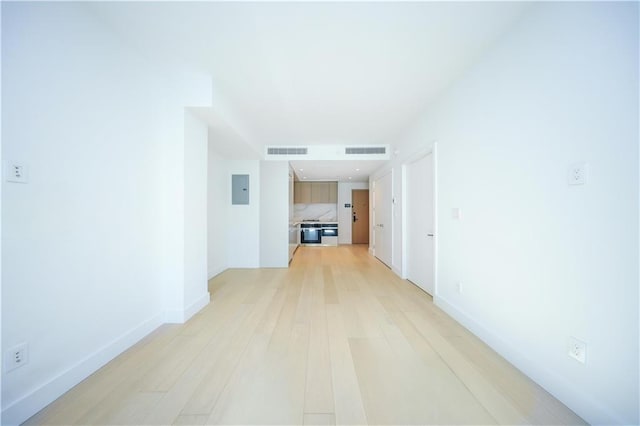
x=456, y=213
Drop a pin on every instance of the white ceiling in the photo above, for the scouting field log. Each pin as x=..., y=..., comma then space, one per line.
x=343, y=170
x=317, y=72
x=223, y=138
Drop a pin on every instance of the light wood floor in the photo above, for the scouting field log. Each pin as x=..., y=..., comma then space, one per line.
x=335, y=339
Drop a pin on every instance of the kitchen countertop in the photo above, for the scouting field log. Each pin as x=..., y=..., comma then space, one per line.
x=319, y=222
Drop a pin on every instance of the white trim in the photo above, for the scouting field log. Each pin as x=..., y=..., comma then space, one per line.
x=28, y=405
x=197, y=306
x=574, y=397
x=217, y=270
x=174, y=316
x=403, y=220
x=436, y=232
x=393, y=219
x=372, y=218
x=180, y=316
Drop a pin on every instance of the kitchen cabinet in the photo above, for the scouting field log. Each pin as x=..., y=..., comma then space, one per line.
x=333, y=192
x=302, y=193
x=319, y=192
x=315, y=192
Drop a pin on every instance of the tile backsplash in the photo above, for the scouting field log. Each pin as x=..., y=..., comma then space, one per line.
x=326, y=212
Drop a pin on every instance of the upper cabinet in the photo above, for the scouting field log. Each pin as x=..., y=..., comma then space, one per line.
x=333, y=192
x=319, y=192
x=302, y=193
x=315, y=192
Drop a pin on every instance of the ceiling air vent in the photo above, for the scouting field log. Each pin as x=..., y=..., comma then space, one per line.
x=286, y=151
x=366, y=150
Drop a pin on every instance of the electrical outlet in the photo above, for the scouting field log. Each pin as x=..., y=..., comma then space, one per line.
x=577, y=174
x=459, y=287
x=16, y=172
x=16, y=357
x=577, y=349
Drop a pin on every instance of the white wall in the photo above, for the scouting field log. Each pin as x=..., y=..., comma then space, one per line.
x=294, y=228
x=344, y=213
x=218, y=205
x=90, y=265
x=1, y=239
x=253, y=235
x=541, y=260
x=184, y=197
x=196, y=294
x=274, y=214
x=243, y=236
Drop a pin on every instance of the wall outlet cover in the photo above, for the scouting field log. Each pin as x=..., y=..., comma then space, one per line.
x=16, y=357
x=577, y=349
x=16, y=172
x=577, y=174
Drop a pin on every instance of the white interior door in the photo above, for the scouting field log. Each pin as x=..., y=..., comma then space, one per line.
x=420, y=223
x=382, y=219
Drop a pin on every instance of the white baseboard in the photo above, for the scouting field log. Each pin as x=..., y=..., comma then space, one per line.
x=173, y=316
x=28, y=405
x=180, y=316
x=215, y=270
x=397, y=271
x=590, y=410
x=196, y=306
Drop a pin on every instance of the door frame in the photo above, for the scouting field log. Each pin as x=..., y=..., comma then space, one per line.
x=432, y=150
x=372, y=210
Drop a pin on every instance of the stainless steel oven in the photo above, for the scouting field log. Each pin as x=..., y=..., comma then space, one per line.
x=329, y=234
x=310, y=233
x=329, y=229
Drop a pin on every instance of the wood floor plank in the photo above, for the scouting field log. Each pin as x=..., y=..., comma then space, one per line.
x=318, y=391
x=128, y=411
x=268, y=384
x=495, y=402
x=87, y=395
x=330, y=292
x=337, y=338
x=349, y=408
x=190, y=420
x=449, y=398
x=319, y=419
x=538, y=405
x=206, y=395
x=379, y=386
x=266, y=387
x=173, y=401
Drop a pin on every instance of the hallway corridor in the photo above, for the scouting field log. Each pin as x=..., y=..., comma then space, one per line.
x=335, y=339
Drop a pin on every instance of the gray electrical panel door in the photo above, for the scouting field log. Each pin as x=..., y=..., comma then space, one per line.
x=239, y=189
